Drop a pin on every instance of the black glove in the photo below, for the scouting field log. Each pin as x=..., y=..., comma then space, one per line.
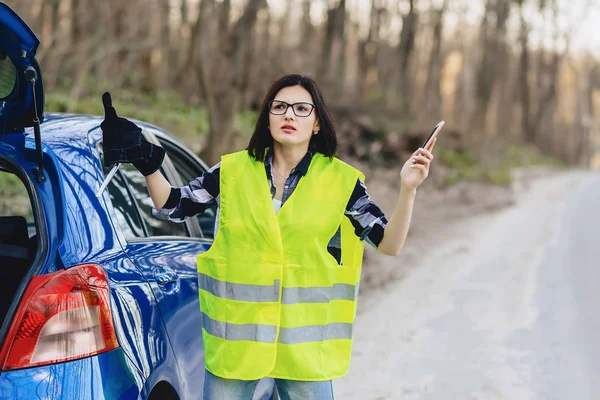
x=153, y=156
x=124, y=143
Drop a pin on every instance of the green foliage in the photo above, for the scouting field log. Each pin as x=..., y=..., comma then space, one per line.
x=494, y=175
x=14, y=199
x=9, y=185
x=523, y=156
x=376, y=98
x=457, y=160
x=467, y=166
x=244, y=122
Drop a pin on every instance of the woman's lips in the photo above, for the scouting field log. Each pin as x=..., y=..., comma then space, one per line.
x=288, y=128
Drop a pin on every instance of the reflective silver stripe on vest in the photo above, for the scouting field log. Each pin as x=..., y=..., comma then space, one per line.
x=321, y=294
x=315, y=333
x=239, y=291
x=229, y=331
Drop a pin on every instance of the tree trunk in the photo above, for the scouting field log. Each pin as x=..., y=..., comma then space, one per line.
x=405, y=50
x=367, y=53
x=197, y=30
x=433, y=95
x=503, y=64
x=308, y=34
x=169, y=56
x=222, y=132
x=493, y=38
x=224, y=82
x=544, y=118
x=76, y=22
x=184, y=11
x=333, y=45
x=523, y=79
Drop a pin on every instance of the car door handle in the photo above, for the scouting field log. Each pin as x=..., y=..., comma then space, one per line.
x=165, y=276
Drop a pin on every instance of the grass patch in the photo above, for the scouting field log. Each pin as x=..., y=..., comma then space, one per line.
x=167, y=111
x=467, y=166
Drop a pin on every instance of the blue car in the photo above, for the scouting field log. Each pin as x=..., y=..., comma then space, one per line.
x=99, y=298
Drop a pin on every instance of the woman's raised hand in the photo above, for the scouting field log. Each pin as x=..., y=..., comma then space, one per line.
x=416, y=169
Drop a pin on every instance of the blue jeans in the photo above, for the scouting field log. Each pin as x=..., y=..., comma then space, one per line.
x=216, y=388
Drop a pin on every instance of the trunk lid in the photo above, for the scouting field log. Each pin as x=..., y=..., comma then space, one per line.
x=20, y=73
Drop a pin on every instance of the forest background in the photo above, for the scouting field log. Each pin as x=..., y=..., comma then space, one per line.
x=517, y=81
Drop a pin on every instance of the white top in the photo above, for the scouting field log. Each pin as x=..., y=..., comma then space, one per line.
x=276, y=204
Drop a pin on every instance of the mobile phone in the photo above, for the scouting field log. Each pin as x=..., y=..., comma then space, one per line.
x=433, y=134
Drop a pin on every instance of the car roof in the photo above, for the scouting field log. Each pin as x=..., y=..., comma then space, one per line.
x=60, y=127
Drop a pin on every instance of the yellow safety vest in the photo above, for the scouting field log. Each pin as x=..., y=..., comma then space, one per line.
x=274, y=302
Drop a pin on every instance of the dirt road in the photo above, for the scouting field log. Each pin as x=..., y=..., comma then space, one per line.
x=506, y=307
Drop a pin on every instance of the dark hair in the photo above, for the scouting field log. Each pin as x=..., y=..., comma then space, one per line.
x=325, y=142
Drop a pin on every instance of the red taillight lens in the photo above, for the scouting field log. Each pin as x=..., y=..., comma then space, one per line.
x=62, y=316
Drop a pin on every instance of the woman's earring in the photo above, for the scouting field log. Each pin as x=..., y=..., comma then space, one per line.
x=316, y=132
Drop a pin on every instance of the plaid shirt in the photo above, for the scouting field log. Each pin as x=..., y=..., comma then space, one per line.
x=204, y=192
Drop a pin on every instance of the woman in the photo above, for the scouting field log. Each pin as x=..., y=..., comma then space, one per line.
x=278, y=286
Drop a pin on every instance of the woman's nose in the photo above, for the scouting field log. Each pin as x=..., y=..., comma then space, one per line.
x=289, y=113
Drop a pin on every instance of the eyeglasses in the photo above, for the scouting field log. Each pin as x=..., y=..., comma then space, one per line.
x=277, y=107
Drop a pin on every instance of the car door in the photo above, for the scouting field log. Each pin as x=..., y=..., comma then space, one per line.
x=165, y=253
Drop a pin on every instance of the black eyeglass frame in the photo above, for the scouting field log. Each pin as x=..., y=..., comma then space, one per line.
x=287, y=105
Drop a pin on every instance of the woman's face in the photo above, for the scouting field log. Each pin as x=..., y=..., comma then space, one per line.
x=289, y=129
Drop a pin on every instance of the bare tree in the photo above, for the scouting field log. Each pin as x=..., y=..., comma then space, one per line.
x=544, y=115
x=367, y=53
x=406, y=47
x=221, y=74
x=493, y=36
x=523, y=84
x=433, y=103
x=330, y=69
x=502, y=61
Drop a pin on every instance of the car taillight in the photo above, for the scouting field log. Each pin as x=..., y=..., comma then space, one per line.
x=62, y=316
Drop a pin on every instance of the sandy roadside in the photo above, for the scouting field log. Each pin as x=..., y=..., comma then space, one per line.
x=437, y=215
x=398, y=343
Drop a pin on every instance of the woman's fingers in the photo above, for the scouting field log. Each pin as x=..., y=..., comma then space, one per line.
x=421, y=159
x=425, y=153
x=432, y=145
x=420, y=167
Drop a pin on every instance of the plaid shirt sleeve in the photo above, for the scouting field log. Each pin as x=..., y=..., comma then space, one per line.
x=200, y=194
x=367, y=218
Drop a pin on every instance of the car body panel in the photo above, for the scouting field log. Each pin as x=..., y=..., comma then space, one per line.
x=177, y=301
x=80, y=232
x=17, y=149
x=109, y=376
x=18, y=37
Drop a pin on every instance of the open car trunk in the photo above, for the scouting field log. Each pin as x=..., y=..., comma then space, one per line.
x=21, y=106
x=18, y=235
